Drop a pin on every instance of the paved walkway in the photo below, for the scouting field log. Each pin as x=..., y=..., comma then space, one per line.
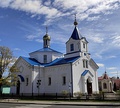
x=44, y=102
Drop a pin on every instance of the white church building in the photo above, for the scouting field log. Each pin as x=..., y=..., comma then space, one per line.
x=50, y=71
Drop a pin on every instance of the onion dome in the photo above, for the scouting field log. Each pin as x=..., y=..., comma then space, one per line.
x=46, y=37
x=46, y=40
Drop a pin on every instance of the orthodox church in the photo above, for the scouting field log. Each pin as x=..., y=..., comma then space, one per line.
x=108, y=84
x=50, y=71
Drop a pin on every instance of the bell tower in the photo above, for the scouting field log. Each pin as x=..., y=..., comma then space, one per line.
x=76, y=45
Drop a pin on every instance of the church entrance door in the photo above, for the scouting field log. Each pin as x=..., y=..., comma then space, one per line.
x=89, y=87
x=18, y=88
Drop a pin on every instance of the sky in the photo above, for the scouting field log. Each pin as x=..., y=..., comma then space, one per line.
x=23, y=25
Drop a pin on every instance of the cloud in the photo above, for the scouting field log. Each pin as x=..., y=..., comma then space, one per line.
x=31, y=37
x=55, y=9
x=17, y=49
x=113, y=72
x=112, y=68
x=98, y=55
x=112, y=56
x=93, y=18
x=100, y=64
x=39, y=40
x=96, y=39
x=104, y=6
x=116, y=41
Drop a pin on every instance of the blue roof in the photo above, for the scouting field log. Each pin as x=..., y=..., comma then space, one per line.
x=47, y=50
x=31, y=61
x=57, y=61
x=85, y=72
x=76, y=35
x=63, y=61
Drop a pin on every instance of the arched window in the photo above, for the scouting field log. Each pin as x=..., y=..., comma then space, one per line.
x=71, y=47
x=85, y=63
x=104, y=85
x=83, y=45
x=45, y=58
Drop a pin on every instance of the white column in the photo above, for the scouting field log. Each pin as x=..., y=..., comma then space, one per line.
x=84, y=85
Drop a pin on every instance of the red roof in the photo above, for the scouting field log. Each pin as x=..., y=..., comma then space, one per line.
x=117, y=82
x=105, y=76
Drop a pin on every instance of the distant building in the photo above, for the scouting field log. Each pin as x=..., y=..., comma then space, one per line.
x=50, y=71
x=107, y=84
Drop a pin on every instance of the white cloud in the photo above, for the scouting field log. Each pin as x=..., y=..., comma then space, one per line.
x=116, y=41
x=93, y=18
x=5, y=3
x=96, y=39
x=109, y=57
x=63, y=7
x=39, y=40
x=98, y=55
x=113, y=72
x=103, y=6
x=17, y=49
x=112, y=68
x=0, y=40
x=31, y=37
x=100, y=64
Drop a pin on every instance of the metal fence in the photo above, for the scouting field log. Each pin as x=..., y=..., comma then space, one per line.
x=60, y=96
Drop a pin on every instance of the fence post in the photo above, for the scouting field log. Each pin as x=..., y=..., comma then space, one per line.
x=103, y=96
x=56, y=95
x=69, y=96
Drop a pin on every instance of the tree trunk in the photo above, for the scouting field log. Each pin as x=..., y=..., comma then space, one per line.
x=0, y=85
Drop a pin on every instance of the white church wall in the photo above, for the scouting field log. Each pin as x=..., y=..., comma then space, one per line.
x=77, y=81
x=40, y=56
x=76, y=45
x=73, y=55
x=35, y=75
x=56, y=73
x=25, y=73
x=83, y=44
x=50, y=56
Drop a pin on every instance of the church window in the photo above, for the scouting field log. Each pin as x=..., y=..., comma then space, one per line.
x=49, y=80
x=45, y=58
x=71, y=47
x=83, y=45
x=64, y=80
x=27, y=81
x=104, y=85
x=86, y=64
x=83, y=63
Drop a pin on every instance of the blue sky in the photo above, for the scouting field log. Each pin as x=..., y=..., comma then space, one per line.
x=23, y=23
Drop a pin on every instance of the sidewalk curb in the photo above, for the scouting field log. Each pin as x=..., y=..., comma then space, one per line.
x=63, y=103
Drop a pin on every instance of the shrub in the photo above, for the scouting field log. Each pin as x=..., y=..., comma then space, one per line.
x=65, y=93
x=78, y=94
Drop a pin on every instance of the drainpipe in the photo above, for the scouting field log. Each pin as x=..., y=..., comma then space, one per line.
x=71, y=80
x=32, y=78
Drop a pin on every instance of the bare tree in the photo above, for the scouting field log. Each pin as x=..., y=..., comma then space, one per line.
x=6, y=57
